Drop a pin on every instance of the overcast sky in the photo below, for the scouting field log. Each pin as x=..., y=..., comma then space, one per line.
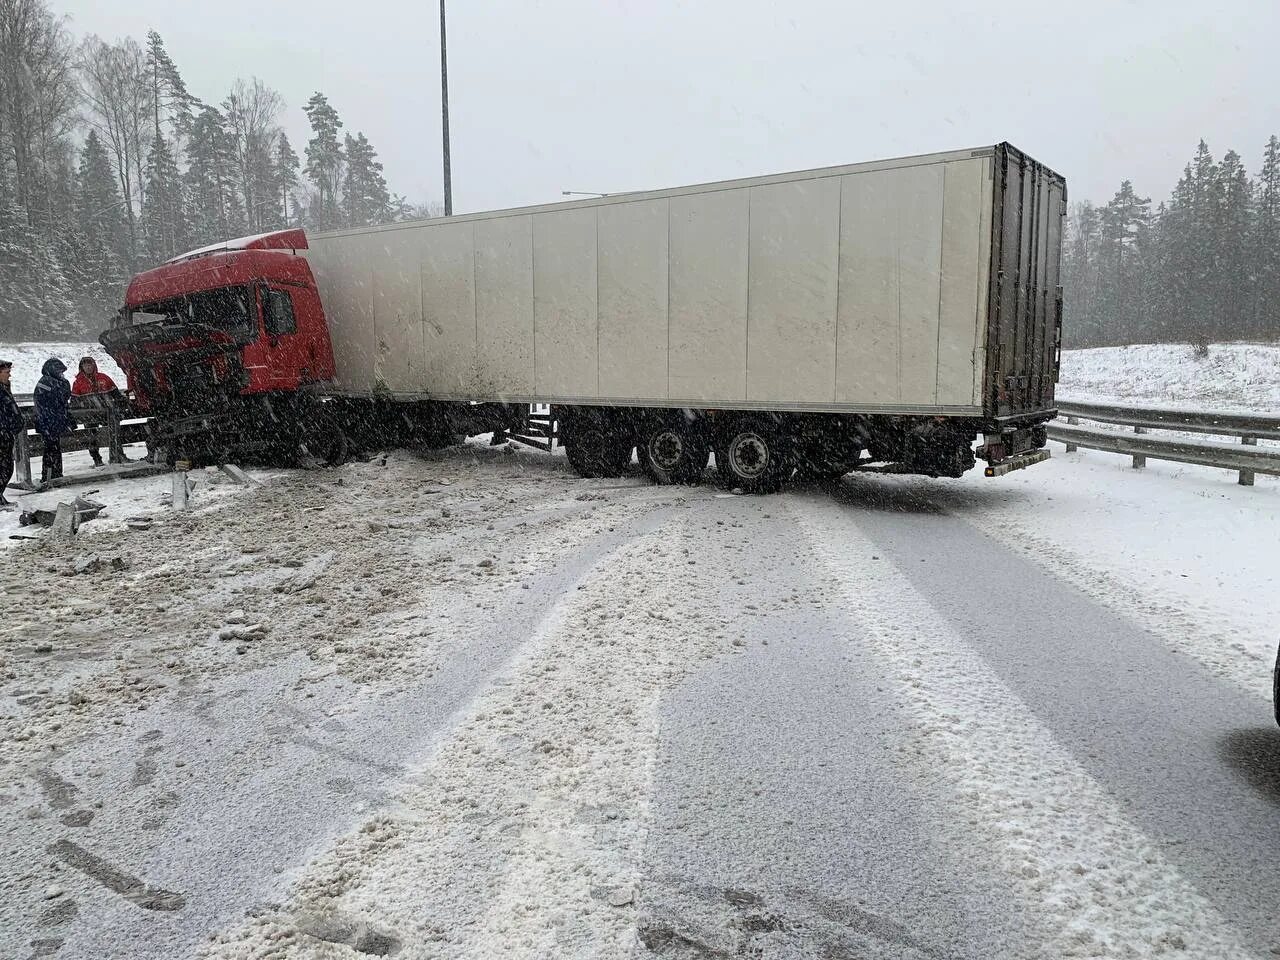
x=614, y=95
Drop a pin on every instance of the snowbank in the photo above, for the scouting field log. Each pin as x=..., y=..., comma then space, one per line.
x=1234, y=376
x=28, y=358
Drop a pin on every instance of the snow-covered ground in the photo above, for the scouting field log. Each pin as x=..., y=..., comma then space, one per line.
x=416, y=703
x=28, y=358
x=1234, y=376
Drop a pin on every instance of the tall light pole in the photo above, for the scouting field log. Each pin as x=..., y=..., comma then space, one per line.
x=444, y=115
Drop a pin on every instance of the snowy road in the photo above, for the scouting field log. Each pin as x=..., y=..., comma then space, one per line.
x=490, y=709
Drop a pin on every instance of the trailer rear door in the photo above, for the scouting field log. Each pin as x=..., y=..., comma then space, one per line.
x=1024, y=330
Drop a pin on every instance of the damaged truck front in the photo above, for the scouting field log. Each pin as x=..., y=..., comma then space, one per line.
x=224, y=349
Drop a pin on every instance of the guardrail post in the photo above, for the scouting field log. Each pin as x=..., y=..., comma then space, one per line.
x=1246, y=476
x=22, y=460
x=1072, y=421
x=181, y=492
x=1139, y=460
x=115, y=450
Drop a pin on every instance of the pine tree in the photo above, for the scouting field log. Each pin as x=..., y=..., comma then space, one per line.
x=215, y=209
x=170, y=101
x=365, y=199
x=35, y=292
x=97, y=249
x=324, y=162
x=164, y=218
x=1232, y=288
x=285, y=179
x=1079, y=277
x=1265, y=255
x=1123, y=223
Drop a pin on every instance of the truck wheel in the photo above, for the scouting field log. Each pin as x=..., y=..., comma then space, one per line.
x=330, y=447
x=751, y=454
x=673, y=452
x=595, y=451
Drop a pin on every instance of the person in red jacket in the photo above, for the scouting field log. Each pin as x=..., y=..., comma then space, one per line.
x=100, y=389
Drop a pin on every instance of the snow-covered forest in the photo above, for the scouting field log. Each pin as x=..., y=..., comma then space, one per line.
x=1203, y=265
x=109, y=165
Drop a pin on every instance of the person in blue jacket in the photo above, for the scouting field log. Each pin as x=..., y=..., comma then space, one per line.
x=53, y=394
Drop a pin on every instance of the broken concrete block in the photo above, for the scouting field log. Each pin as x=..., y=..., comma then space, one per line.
x=87, y=564
x=65, y=521
x=236, y=474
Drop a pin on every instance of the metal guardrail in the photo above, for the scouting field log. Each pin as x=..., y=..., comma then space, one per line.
x=1244, y=457
x=109, y=425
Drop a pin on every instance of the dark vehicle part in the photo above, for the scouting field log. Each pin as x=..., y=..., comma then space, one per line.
x=825, y=447
x=1275, y=686
x=752, y=454
x=596, y=443
x=1024, y=319
x=673, y=447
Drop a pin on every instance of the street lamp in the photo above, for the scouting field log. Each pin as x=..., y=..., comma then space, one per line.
x=444, y=115
x=582, y=193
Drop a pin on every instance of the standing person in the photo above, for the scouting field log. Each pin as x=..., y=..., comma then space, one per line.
x=100, y=391
x=53, y=394
x=10, y=426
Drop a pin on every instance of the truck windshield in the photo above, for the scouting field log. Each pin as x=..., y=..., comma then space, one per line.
x=227, y=308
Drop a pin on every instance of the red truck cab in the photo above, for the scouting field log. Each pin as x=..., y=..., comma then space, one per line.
x=242, y=316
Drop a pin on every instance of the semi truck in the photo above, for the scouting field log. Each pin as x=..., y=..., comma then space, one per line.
x=888, y=313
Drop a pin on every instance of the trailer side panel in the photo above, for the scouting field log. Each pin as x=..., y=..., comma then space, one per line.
x=859, y=289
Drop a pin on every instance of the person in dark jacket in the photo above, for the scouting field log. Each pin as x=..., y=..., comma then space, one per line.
x=10, y=427
x=53, y=394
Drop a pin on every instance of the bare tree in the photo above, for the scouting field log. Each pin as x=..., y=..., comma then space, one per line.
x=38, y=100
x=117, y=91
x=252, y=109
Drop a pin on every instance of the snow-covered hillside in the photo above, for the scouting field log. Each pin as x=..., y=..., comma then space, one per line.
x=28, y=358
x=1235, y=376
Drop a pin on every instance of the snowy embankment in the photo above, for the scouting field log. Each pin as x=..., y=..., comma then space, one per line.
x=28, y=358
x=1182, y=549
x=1234, y=376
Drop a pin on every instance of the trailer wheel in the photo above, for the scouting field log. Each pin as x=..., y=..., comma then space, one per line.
x=673, y=451
x=751, y=454
x=596, y=451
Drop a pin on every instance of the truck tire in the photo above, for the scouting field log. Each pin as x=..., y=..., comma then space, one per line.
x=752, y=455
x=594, y=450
x=673, y=451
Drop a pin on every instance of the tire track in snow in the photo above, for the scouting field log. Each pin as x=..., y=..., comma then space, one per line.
x=524, y=835
x=1189, y=633
x=1094, y=879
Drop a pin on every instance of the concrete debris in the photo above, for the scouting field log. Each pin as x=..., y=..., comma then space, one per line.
x=236, y=474
x=73, y=514
x=622, y=897
x=236, y=631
